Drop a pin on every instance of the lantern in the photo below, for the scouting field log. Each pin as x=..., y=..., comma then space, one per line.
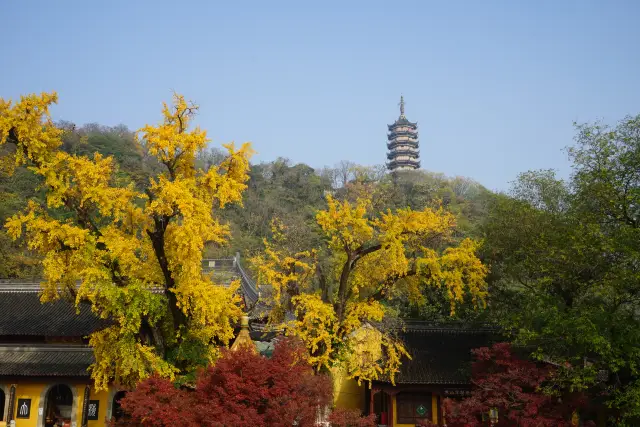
x=493, y=416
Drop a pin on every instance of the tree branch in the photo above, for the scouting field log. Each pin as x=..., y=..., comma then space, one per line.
x=157, y=241
x=390, y=281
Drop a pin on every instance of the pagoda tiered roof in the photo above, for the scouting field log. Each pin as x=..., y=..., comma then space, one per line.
x=402, y=121
x=391, y=145
x=411, y=154
x=397, y=133
x=411, y=163
x=403, y=143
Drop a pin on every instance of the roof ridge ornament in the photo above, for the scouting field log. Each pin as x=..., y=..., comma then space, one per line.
x=401, y=106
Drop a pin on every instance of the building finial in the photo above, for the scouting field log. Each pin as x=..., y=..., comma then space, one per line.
x=244, y=337
x=401, y=105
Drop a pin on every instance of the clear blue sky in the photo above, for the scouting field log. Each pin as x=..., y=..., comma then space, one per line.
x=494, y=85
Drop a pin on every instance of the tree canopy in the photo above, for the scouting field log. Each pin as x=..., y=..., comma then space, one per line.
x=134, y=254
x=564, y=258
x=339, y=292
x=243, y=389
x=514, y=388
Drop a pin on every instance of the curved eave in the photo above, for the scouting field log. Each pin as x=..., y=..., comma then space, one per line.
x=395, y=164
x=404, y=122
x=394, y=144
x=410, y=134
x=413, y=154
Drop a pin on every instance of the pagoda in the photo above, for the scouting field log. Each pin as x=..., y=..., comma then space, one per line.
x=404, y=153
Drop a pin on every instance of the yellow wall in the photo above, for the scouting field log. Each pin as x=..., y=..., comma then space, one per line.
x=346, y=392
x=35, y=391
x=103, y=397
x=28, y=391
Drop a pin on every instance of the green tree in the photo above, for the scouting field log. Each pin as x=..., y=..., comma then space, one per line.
x=564, y=258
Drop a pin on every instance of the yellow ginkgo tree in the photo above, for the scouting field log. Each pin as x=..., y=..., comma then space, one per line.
x=133, y=253
x=335, y=297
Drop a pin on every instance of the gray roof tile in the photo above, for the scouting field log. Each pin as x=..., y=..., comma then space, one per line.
x=70, y=361
x=22, y=313
x=440, y=355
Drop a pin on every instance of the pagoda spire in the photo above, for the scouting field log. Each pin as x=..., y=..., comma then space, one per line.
x=403, y=145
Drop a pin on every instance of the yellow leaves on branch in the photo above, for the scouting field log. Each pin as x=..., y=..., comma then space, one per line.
x=375, y=355
x=170, y=141
x=459, y=269
x=281, y=271
x=123, y=357
x=316, y=324
x=367, y=353
x=107, y=244
x=369, y=259
x=346, y=225
x=29, y=123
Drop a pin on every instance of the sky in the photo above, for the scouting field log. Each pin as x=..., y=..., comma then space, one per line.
x=495, y=86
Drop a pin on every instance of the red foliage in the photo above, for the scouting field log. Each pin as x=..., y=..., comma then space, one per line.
x=503, y=381
x=351, y=418
x=243, y=389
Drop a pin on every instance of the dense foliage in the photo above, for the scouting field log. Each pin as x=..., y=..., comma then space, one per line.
x=133, y=253
x=243, y=389
x=365, y=260
x=99, y=204
x=512, y=386
x=564, y=259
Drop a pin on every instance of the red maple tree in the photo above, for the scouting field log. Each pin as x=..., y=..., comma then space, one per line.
x=350, y=418
x=243, y=389
x=512, y=386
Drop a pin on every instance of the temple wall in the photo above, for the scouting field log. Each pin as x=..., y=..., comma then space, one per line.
x=347, y=393
x=37, y=392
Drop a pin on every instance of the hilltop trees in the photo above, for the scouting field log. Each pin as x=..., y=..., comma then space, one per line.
x=133, y=251
x=339, y=291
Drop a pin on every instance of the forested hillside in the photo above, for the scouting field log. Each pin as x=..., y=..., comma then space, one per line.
x=18, y=185
x=278, y=190
x=562, y=256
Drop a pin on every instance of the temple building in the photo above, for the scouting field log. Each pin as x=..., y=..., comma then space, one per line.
x=439, y=368
x=404, y=152
x=45, y=356
x=44, y=361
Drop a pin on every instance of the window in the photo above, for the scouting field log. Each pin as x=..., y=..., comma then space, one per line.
x=413, y=408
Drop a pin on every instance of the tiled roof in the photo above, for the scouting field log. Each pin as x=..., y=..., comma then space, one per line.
x=22, y=313
x=440, y=355
x=54, y=361
x=402, y=121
